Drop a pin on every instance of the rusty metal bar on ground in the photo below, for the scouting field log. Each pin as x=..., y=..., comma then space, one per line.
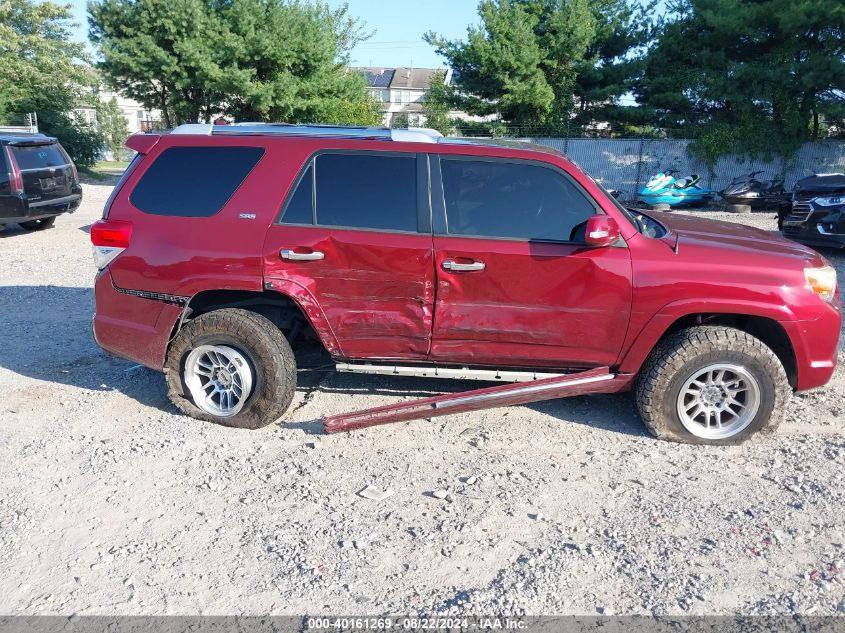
x=576, y=384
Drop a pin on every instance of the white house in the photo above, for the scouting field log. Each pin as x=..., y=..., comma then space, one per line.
x=402, y=90
x=138, y=118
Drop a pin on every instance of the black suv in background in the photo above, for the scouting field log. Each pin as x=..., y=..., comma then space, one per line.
x=38, y=181
x=817, y=216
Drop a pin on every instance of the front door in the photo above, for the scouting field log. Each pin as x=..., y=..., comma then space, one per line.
x=351, y=237
x=515, y=284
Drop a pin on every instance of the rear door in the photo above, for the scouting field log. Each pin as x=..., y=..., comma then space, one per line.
x=516, y=284
x=46, y=170
x=355, y=235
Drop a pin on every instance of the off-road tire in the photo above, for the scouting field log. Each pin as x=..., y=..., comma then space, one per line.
x=39, y=225
x=260, y=341
x=675, y=359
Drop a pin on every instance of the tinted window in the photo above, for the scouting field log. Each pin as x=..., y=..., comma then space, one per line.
x=38, y=156
x=516, y=200
x=368, y=192
x=193, y=181
x=298, y=209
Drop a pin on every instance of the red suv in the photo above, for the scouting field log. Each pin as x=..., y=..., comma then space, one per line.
x=407, y=253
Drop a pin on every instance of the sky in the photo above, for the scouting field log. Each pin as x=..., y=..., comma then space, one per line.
x=398, y=25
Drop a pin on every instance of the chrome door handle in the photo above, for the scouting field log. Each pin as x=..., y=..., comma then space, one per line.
x=455, y=267
x=287, y=253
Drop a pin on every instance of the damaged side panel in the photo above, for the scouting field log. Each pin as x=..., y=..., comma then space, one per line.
x=536, y=304
x=376, y=292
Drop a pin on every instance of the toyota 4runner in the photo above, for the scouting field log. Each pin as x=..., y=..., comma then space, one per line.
x=407, y=253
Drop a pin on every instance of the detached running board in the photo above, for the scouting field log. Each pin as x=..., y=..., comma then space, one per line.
x=590, y=381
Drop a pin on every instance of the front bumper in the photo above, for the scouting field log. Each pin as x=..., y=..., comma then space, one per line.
x=817, y=226
x=816, y=346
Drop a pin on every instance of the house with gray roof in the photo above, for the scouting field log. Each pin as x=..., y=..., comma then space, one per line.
x=402, y=90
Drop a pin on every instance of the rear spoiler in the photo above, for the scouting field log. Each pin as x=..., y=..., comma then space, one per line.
x=24, y=142
x=142, y=143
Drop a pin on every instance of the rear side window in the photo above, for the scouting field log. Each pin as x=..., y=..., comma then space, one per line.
x=367, y=191
x=38, y=156
x=193, y=181
x=512, y=200
x=299, y=209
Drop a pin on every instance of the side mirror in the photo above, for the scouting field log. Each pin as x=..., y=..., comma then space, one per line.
x=601, y=230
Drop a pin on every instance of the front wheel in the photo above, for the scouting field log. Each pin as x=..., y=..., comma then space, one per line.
x=712, y=385
x=232, y=367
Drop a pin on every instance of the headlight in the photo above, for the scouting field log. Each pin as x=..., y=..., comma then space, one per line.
x=822, y=281
x=833, y=201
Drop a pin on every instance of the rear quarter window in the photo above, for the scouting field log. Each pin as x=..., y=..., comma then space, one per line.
x=38, y=156
x=193, y=181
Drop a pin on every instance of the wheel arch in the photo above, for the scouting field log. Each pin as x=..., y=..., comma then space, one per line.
x=765, y=328
x=294, y=315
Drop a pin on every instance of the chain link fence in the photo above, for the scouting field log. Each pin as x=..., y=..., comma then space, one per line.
x=627, y=164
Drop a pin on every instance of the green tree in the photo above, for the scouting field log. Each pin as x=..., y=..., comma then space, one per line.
x=537, y=63
x=499, y=64
x=113, y=127
x=165, y=54
x=249, y=59
x=436, y=104
x=400, y=121
x=287, y=62
x=43, y=71
x=613, y=62
x=763, y=76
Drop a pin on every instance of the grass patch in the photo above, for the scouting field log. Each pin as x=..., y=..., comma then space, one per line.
x=93, y=174
x=111, y=164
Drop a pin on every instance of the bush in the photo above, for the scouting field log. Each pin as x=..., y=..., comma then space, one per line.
x=80, y=139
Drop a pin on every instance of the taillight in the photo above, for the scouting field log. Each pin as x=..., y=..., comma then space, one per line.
x=15, y=177
x=71, y=163
x=110, y=238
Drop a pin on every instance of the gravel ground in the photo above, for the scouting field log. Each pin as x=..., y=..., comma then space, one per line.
x=113, y=503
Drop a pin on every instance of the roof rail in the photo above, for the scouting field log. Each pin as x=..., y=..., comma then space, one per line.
x=410, y=135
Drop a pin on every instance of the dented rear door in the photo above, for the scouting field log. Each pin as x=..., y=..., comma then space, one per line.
x=354, y=247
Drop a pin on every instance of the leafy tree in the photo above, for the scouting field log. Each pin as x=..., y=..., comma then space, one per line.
x=81, y=139
x=399, y=122
x=113, y=127
x=536, y=63
x=163, y=53
x=286, y=62
x=248, y=59
x=436, y=104
x=613, y=61
x=43, y=71
x=499, y=64
x=763, y=76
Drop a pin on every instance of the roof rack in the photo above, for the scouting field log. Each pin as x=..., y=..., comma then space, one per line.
x=410, y=135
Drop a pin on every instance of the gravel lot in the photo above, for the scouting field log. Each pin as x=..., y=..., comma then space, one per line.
x=112, y=503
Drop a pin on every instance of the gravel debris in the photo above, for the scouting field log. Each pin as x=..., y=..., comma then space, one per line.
x=113, y=503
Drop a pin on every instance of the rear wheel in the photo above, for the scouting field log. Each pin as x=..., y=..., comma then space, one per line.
x=232, y=367
x=712, y=385
x=40, y=224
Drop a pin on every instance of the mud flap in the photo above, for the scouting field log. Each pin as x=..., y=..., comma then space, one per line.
x=590, y=381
